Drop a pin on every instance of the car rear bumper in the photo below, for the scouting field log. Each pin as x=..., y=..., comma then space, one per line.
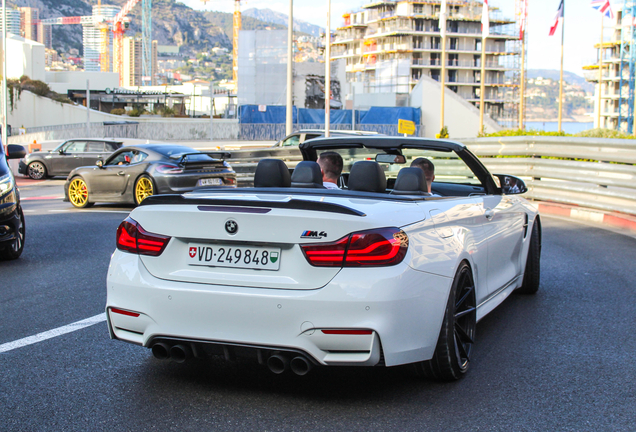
x=401, y=310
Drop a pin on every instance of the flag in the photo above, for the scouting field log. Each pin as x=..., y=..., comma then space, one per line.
x=523, y=16
x=557, y=19
x=604, y=7
x=485, y=21
x=442, y=19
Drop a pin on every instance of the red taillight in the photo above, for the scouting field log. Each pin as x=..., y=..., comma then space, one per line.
x=131, y=237
x=230, y=181
x=169, y=169
x=372, y=248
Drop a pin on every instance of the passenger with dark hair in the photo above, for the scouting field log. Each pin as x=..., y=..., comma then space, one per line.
x=428, y=168
x=331, y=166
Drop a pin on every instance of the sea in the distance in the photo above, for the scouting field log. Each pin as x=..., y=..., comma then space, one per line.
x=552, y=126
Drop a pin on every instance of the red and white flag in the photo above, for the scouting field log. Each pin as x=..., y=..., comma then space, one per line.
x=485, y=21
x=523, y=17
x=557, y=19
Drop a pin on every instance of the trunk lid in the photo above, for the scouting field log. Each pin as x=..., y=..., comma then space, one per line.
x=202, y=224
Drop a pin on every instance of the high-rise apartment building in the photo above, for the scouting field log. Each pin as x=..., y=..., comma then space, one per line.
x=133, y=66
x=13, y=22
x=132, y=62
x=45, y=36
x=389, y=44
x=29, y=18
x=92, y=38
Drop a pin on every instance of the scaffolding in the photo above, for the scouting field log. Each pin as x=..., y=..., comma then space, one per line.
x=627, y=67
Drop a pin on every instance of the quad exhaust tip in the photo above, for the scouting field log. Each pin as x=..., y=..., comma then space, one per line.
x=161, y=351
x=300, y=366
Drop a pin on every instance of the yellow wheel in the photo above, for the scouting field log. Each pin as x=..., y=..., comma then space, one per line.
x=78, y=193
x=143, y=189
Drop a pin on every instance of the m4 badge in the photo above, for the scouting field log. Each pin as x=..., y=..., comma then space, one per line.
x=313, y=234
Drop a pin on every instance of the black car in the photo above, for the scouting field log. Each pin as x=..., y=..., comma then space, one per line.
x=135, y=172
x=11, y=215
x=66, y=157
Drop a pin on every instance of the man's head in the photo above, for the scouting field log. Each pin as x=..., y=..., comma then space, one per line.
x=331, y=166
x=428, y=168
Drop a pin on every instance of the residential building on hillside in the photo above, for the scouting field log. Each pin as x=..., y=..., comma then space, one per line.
x=132, y=71
x=13, y=22
x=389, y=44
x=617, y=87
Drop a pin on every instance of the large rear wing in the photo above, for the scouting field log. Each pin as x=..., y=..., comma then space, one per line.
x=182, y=158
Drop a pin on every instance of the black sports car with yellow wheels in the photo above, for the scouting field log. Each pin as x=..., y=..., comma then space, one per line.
x=134, y=173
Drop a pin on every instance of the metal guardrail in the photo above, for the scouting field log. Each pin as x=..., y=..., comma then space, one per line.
x=589, y=172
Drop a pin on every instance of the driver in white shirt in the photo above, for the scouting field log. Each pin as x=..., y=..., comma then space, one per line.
x=331, y=166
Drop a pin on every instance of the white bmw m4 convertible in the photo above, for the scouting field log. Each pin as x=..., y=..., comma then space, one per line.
x=386, y=270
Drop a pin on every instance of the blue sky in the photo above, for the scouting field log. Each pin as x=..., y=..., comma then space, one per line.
x=583, y=25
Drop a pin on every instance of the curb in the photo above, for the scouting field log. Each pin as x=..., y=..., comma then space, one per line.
x=609, y=219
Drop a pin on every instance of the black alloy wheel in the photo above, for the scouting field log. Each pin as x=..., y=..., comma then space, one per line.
x=14, y=249
x=457, y=335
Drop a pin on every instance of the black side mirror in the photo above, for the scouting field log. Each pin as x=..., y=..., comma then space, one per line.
x=511, y=185
x=61, y=151
x=100, y=163
x=15, y=151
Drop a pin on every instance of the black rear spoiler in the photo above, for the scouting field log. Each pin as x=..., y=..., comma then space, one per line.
x=214, y=155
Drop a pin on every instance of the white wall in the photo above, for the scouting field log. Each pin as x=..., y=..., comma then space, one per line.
x=26, y=57
x=32, y=110
x=461, y=117
x=63, y=81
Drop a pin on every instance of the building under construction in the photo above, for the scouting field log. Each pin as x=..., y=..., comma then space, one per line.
x=389, y=44
x=92, y=38
x=618, y=73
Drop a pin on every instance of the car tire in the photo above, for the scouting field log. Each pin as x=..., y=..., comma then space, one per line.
x=37, y=170
x=532, y=274
x=14, y=249
x=78, y=193
x=144, y=187
x=456, y=339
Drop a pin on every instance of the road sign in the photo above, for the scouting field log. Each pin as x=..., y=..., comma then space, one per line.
x=406, y=127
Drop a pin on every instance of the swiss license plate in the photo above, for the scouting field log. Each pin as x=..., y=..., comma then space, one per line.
x=210, y=182
x=233, y=256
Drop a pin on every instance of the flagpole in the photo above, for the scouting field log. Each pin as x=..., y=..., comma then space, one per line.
x=482, y=88
x=328, y=71
x=523, y=81
x=561, y=77
x=522, y=91
x=442, y=22
x=600, y=74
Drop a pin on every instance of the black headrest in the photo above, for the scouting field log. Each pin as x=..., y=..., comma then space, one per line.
x=367, y=176
x=410, y=181
x=272, y=173
x=307, y=174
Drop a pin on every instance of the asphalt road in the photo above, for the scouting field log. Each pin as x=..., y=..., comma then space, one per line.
x=561, y=360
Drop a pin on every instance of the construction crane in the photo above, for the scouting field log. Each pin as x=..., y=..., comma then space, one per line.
x=235, y=39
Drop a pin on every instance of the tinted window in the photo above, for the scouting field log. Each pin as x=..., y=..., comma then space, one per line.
x=292, y=141
x=112, y=146
x=75, y=147
x=95, y=146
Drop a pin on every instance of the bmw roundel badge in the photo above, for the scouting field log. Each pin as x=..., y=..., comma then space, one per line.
x=231, y=226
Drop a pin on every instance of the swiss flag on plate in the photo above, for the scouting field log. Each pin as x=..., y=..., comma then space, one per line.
x=193, y=252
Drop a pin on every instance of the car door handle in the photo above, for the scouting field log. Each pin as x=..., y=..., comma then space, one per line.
x=121, y=173
x=489, y=214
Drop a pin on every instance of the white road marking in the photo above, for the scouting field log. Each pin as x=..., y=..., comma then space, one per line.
x=53, y=333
